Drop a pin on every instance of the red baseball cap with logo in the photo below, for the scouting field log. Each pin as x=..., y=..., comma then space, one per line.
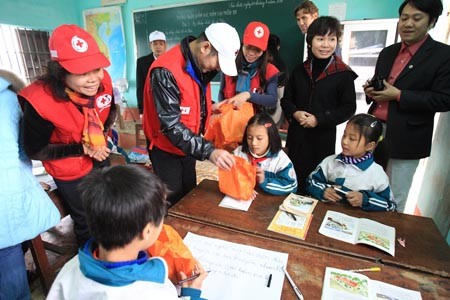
x=256, y=34
x=76, y=50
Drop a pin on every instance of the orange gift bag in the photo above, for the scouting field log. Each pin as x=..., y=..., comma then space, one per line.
x=240, y=181
x=226, y=130
x=171, y=247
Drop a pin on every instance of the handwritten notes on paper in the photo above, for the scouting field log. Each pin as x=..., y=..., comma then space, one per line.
x=237, y=271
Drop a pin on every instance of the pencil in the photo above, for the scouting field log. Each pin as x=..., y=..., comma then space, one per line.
x=189, y=278
x=372, y=269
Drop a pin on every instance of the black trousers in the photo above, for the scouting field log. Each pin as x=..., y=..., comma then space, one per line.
x=177, y=172
x=70, y=195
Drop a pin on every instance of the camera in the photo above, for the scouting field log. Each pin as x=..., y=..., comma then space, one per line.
x=376, y=83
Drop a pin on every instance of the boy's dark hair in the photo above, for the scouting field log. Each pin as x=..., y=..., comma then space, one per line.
x=368, y=127
x=431, y=7
x=322, y=26
x=308, y=6
x=120, y=201
x=272, y=131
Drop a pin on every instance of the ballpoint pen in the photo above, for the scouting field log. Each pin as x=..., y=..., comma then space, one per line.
x=291, y=215
x=189, y=278
x=296, y=289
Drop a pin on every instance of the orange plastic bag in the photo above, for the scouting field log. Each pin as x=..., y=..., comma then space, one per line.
x=226, y=130
x=171, y=247
x=240, y=181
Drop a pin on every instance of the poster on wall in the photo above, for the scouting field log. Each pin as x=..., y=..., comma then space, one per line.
x=106, y=25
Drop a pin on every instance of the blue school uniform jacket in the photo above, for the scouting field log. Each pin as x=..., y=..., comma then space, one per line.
x=366, y=177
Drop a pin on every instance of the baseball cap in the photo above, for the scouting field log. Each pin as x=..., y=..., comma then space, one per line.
x=225, y=40
x=76, y=50
x=156, y=36
x=256, y=34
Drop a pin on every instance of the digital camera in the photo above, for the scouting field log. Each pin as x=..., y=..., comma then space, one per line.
x=376, y=83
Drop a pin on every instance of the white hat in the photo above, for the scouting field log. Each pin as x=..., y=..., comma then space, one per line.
x=225, y=40
x=156, y=36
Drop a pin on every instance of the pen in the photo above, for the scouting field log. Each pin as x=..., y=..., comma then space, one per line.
x=372, y=269
x=296, y=290
x=189, y=278
x=291, y=215
x=339, y=190
x=270, y=280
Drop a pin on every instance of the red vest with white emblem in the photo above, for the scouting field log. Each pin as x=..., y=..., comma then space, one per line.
x=68, y=121
x=174, y=61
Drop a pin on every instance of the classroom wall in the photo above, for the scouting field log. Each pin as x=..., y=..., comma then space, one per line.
x=38, y=14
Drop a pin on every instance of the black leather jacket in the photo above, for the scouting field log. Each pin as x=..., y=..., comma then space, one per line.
x=166, y=96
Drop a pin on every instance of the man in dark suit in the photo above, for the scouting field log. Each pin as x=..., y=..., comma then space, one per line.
x=416, y=82
x=157, y=44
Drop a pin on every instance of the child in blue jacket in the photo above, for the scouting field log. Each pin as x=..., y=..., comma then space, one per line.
x=261, y=146
x=353, y=176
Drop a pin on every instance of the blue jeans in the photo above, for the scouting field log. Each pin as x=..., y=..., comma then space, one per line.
x=13, y=274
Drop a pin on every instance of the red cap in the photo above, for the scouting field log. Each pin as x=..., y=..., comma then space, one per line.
x=76, y=50
x=256, y=34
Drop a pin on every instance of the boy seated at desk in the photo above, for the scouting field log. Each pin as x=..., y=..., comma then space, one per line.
x=125, y=207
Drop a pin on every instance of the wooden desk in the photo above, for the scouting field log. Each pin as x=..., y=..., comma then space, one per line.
x=426, y=250
x=307, y=265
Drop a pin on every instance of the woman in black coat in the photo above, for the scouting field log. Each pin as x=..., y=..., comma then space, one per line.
x=319, y=96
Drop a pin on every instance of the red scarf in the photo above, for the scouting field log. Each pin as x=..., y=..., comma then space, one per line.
x=93, y=127
x=255, y=160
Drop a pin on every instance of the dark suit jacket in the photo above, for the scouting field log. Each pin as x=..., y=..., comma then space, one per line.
x=425, y=86
x=142, y=66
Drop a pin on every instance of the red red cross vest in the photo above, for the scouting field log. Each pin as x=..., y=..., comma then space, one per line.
x=229, y=89
x=68, y=122
x=174, y=61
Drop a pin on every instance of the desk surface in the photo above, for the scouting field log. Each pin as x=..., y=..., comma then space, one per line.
x=307, y=265
x=426, y=250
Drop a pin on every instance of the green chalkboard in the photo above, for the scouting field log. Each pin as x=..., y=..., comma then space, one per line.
x=178, y=22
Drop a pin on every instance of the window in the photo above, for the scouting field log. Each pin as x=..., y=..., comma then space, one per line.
x=24, y=51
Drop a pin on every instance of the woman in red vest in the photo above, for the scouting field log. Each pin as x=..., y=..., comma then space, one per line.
x=257, y=79
x=67, y=113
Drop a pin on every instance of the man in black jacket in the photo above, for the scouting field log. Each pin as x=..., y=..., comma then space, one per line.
x=157, y=43
x=416, y=82
x=178, y=104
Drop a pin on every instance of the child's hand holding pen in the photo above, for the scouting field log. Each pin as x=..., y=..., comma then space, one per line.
x=355, y=198
x=330, y=194
x=196, y=280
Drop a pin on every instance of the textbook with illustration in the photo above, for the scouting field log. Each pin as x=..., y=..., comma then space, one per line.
x=341, y=284
x=358, y=230
x=294, y=216
x=298, y=205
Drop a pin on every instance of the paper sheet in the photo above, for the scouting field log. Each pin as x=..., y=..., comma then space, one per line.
x=230, y=202
x=238, y=272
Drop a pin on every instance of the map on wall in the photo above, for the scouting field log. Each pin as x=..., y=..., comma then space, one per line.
x=105, y=24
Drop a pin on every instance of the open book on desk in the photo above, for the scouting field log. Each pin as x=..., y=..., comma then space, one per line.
x=298, y=205
x=340, y=284
x=294, y=216
x=358, y=230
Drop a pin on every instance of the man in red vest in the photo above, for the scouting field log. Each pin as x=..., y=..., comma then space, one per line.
x=177, y=106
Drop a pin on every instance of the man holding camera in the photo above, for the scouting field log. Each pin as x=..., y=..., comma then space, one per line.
x=411, y=84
